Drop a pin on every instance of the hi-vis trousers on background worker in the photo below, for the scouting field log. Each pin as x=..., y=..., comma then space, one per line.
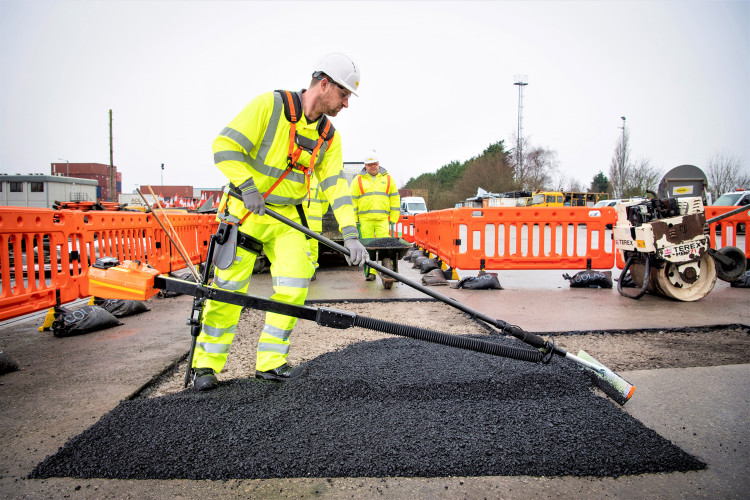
x=281, y=243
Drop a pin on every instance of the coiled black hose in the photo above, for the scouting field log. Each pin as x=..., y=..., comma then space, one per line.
x=458, y=341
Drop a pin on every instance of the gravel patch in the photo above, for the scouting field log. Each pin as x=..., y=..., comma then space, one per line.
x=385, y=407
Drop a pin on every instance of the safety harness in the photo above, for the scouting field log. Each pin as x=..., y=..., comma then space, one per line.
x=293, y=112
x=387, y=185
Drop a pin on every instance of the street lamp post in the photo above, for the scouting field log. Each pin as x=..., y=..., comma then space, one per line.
x=622, y=159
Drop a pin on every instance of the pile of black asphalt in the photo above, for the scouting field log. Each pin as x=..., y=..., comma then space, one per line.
x=393, y=407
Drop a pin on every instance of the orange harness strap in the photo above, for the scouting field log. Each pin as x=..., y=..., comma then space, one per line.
x=325, y=133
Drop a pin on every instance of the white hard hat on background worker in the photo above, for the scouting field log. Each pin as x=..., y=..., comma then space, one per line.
x=341, y=69
x=371, y=157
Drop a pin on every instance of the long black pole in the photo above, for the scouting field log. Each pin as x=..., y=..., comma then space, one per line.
x=529, y=338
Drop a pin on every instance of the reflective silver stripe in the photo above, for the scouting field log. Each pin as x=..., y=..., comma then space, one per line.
x=214, y=348
x=290, y=282
x=248, y=185
x=221, y=156
x=340, y=202
x=332, y=180
x=350, y=232
x=356, y=197
x=231, y=284
x=215, y=331
x=278, y=348
x=238, y=137
x=314, y=217
x=360, y=212
x=322, y=153
x=375, y=193
x=276, y=332
x=283, y=200
x=273, y=124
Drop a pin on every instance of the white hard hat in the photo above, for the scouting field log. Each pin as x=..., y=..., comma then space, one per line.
x=341, y=69
x=371, y=157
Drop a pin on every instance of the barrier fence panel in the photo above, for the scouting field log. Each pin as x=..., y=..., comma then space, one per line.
x=405, y=228
x=731, y=231
x=46, y=253
x=526, y=238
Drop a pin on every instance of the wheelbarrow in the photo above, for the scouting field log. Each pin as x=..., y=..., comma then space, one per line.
x=387, y=251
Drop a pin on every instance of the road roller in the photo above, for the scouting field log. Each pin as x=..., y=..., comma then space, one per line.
x=666, y=249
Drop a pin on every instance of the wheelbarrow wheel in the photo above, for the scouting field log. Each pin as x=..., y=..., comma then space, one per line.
x=387, y=280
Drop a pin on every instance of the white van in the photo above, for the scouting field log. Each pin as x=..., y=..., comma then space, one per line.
x=738, y=198
x=412, y=205
x=733, y=199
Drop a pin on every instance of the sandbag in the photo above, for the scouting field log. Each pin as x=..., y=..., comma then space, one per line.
x=741, y=282
x=89, y=318
x=418, y=261
x=7, y=364
x=484, y=281
x=415, y=255
x=590, y=279
x=120, y=307
x=434, y=277
x=428, y=265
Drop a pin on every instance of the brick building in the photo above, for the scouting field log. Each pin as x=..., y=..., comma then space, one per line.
x=97, y=171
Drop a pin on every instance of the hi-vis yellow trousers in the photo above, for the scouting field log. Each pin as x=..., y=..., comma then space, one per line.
x=291, y=270
x=374, y=229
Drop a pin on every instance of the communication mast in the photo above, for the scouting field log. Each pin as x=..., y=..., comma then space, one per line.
x=521, y=81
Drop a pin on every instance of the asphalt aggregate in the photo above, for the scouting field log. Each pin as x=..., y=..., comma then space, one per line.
x=392, y=407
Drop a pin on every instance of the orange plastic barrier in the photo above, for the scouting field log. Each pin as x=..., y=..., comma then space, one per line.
x=405, y=228
x=725, y=232
x=518, y=237
x=45, y=253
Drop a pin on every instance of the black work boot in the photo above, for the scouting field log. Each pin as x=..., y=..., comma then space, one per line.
x=370, y=277
x=282, y=373
x=204, y=379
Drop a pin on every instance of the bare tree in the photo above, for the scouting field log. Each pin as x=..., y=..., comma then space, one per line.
x=539, y=171
x=620, y=166
x=725, y=173
x=642, y=177
x=538, y=168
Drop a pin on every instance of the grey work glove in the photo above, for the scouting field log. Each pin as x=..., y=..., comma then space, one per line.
x=254, y=201
x=357, y=252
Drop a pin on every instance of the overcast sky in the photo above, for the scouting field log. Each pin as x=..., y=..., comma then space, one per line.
x=437, y=80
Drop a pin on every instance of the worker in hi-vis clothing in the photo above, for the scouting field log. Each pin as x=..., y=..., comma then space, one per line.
x=376, y=202
x=269, y=153
x=315, y=208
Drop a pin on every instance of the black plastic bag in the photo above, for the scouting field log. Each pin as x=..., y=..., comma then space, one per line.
x=7, y=364
x=741, y=282
x=485, y=281
x=428, y=265
x=121, y=307
x=86, y=319
x=590, y=279
x=434, y=277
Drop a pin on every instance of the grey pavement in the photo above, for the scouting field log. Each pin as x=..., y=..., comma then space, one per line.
x=66, y=385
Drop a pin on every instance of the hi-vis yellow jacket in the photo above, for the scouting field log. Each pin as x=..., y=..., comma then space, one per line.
x=317, y=207
x=253, y=148
x=376, y=198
